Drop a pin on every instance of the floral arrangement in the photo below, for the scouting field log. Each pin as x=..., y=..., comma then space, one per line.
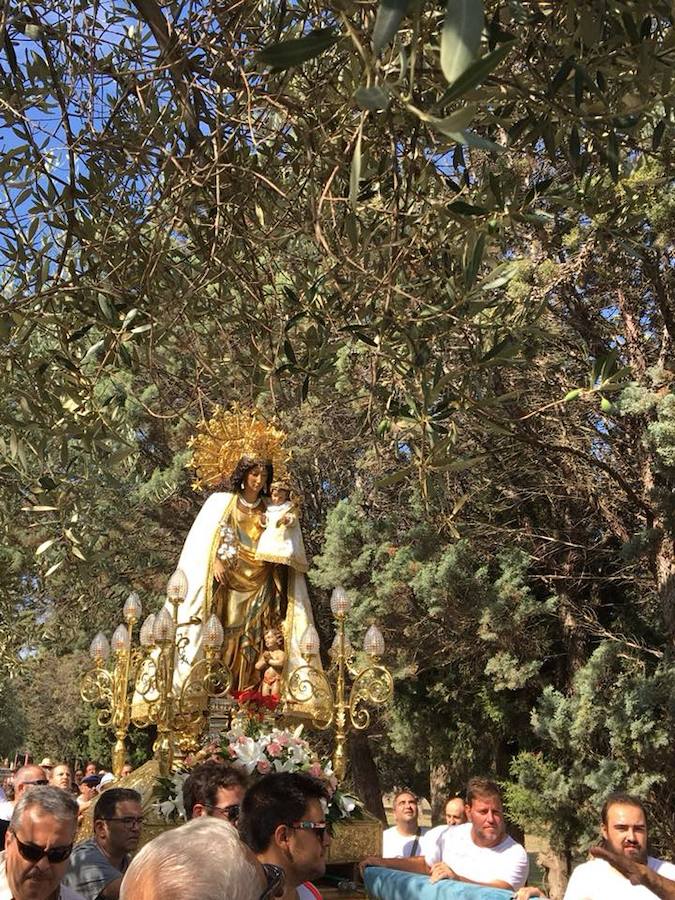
x=256, y=747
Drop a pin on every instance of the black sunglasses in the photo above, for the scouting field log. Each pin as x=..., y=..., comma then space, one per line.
x=34, y=853
x=276, y=881
x=231, y=813
x=317, y=828
x=40, y=781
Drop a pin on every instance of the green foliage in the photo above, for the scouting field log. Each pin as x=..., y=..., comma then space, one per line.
x=590, y=748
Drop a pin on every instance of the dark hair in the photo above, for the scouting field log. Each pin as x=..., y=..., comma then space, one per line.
x=201, y=785
x=482, y=787
x=278, y=799
x=245, y=464
x=625, y=799
x=106, y=805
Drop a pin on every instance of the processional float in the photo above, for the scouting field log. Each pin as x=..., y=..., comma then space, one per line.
x=237, y=624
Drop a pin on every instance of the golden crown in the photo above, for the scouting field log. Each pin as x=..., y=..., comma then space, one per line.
x=229, y=436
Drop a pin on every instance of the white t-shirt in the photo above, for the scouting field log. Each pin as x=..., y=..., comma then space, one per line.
x=597, y=880
x=396, y=844
x=430, y=840
x=454, y=846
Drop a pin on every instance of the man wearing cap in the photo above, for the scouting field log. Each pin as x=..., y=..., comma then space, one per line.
x=88, y=792
x=97, y=865
x=47, y=765
x=38, y=845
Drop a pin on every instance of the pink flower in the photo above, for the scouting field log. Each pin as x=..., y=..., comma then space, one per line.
x=282, y=739
x=274, y=748
x=231, y=751
x=264, y=766
x=316, y=770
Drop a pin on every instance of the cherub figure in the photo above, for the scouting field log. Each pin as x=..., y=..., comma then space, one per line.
x=281, y=540
x=272, y=660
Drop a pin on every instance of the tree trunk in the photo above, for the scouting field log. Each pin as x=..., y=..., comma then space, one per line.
x=364, y=773
x=439, y=778
x=557, y=866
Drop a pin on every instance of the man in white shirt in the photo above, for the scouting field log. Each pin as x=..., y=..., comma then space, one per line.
x=403, y=838
x=480, y=852
x=624, y=832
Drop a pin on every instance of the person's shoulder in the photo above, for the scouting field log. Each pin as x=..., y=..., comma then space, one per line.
x=389, y=830
x=590, y=868
x=512, y=846
x=67, y=893
x=307, y=891
x=459, y=832
x=662, y=867
x=86, y=850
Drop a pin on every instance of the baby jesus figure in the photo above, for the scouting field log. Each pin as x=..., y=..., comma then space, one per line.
x=272, y=660
x=281, y=540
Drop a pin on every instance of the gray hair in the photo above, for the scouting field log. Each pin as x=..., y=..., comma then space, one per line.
x=49, y=800
x=202, y=860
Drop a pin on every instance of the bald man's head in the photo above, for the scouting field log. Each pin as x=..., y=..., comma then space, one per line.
x=455, y=813
x=202, y=860
x=27, y=777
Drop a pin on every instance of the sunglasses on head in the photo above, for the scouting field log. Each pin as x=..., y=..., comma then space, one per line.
x=34, y=853
x=318, y=828
x=231, y=813
x=276, y=881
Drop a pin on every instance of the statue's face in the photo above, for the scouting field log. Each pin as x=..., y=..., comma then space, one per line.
x=279, y=495
x=271, y=640
x=255, y=479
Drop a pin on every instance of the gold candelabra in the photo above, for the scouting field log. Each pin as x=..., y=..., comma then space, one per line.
x=337, y=704
x=139, y=688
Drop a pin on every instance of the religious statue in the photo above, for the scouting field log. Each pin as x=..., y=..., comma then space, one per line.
x=271, y=663
x=250, y=592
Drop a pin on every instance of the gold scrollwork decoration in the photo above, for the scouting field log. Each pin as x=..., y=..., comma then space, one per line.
x=373, y=685
x=310, y=684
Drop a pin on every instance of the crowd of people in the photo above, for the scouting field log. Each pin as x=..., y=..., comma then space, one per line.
x=271, y=839
x=473, y=847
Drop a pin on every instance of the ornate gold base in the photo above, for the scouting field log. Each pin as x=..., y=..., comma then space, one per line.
x=354, y=839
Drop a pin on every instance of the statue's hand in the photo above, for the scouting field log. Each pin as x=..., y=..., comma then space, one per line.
x=441, y=870
x=219, y=570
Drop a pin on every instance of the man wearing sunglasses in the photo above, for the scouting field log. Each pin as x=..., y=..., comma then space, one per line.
x=214, y=789
x=38, y=845
x=98, y=864
x=25, y=778
x=283, y=821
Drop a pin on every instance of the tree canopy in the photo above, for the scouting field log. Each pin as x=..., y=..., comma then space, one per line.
x=434, y=240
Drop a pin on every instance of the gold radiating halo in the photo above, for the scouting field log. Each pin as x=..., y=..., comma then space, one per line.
x=230, y=435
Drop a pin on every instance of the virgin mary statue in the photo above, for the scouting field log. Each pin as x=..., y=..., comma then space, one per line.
x=241, y=452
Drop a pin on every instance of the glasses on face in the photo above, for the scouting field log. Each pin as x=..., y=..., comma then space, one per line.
x=40, y=781
x=276, y=881
x=127, y=821
x=231, y=813
x=319, y=828
x=33, y=852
